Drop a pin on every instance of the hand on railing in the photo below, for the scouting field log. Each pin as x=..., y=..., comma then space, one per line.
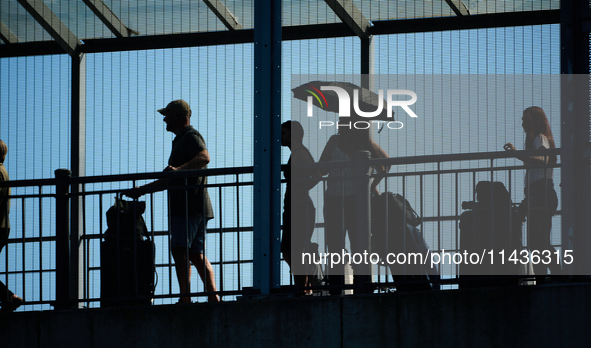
x=134, y=193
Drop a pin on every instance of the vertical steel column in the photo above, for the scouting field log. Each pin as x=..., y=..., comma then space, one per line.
x=576, y=149
x=367, y=62
x=62, y=244
x=267, y=144
x=363, y=176
x=367, y=56
x=78, y=162
x=362, y=190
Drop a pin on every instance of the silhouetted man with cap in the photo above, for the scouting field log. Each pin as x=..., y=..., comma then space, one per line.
x=189, y=209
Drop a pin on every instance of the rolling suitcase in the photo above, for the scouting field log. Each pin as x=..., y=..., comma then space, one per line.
x=127, y=257
x=487, y=227
x=394, y=230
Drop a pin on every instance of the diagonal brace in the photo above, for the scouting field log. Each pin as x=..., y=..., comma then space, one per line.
x=6, y=35
x=110, y=19
x=53, y=25
x=351, y=16
x=458, y=7
x=223, y=14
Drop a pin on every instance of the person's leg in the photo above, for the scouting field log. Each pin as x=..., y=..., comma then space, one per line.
x=198, y=258
x=335, y=240
x=183, y=272
x=182, y=232
x=361, y=280
x=542, y=204
x=9, y=300
x=206, y=273
x=538, y=234
x=303, y=228
x=5, y=294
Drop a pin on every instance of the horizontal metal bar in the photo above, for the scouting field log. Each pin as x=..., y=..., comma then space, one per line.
x=463, y=157
x=302, y=32
x=162, y=175
x=36, y=271
x=249, y=170
x=154, y=42
x=465, y=170
x=32, y=240
x=481, y=21
x=28, y=183
x=164, y=233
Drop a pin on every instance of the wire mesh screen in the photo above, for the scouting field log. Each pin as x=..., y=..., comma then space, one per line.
x=202, y=52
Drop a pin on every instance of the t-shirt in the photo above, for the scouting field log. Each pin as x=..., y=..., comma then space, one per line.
x=536, y=174
x=195, y=201
x=341, y=180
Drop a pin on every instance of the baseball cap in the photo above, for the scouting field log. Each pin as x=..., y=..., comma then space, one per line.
x=178, y=106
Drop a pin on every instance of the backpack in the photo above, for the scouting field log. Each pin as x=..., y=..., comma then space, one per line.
x=389, y=213
x=492, y=195
x=125, y=221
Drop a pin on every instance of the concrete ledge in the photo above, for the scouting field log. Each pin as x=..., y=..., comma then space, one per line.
x=545, y=316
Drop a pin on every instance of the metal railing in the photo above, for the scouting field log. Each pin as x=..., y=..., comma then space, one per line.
x=53, y=260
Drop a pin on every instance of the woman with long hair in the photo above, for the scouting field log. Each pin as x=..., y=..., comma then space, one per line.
x=541, y=201
x=340, y=202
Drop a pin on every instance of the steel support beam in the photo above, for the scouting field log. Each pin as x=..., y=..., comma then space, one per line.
x=6, y=35
x=52, y=24
x=110, y=19
x=223, y=14
x=367, y=62
x=351, y=16
x=267, y=145
x=494, y=20
x=78, y=168
x=305, y=32
x=575, y=142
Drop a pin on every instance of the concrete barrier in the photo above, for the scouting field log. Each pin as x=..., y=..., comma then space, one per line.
x=543, y=316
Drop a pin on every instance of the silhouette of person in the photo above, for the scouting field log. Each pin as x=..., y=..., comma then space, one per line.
x=340, y=202
x=541, y=201
x=300, y=180
x=189, y=209
x=9, y=300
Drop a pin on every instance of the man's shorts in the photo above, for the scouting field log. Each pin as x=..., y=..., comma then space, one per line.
x=191, y=234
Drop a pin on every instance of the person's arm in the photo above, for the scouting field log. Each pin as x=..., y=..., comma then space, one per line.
x=197, y=162
x=138, y=191
x=381, y=170
x=302, y=157
x=529, y=159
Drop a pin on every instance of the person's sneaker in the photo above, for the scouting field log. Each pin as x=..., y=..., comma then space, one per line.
x=13, y=303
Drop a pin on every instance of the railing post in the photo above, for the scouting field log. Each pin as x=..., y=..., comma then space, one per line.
x=62, y=247
x=362, y=191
